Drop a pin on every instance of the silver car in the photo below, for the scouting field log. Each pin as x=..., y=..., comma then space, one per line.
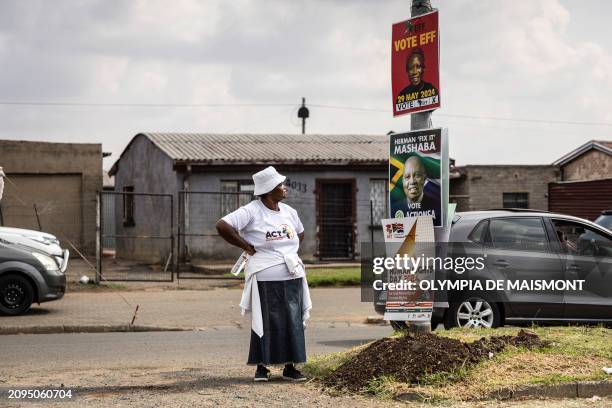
x=529, y=245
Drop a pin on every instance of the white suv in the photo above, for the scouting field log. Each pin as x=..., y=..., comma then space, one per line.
x=41, y=241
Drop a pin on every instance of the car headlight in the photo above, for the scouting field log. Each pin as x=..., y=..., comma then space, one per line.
x=48, y=262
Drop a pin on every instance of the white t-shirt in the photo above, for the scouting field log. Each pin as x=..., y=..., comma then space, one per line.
x=270, y=232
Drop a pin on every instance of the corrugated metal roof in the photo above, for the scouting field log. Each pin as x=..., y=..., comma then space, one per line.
x=601, y=145
x=605, y=143
x=272, y=148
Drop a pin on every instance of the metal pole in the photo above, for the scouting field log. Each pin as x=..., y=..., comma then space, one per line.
x=172, y=249
x=186, y=209
x=372, y=229
x=420, y=120
x=37, y=217
x=98, y=237
x=179, y=223
x=303, y=118
x=303, y=114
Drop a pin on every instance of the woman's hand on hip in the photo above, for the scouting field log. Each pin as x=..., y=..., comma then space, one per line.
x=249, y=249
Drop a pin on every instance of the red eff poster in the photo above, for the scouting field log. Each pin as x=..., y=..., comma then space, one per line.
x=415, y=73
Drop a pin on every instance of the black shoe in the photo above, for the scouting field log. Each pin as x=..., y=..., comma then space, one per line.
x=292, y=374
x=262, y=374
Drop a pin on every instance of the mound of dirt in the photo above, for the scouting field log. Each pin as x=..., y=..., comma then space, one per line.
x=414, y=355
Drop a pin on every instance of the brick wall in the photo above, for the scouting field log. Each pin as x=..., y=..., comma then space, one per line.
x=485, y=185
x=592, y=165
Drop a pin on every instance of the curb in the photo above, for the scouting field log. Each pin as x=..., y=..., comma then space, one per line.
x=376, y=320
x=104, y=328
x=579, y=389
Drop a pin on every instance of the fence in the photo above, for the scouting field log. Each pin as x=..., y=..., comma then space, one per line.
x=137, y=242
x=333, y=227
x=201, y=250
x=152, y=237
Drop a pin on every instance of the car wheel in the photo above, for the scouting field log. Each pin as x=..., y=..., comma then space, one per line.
x=473, y=312
x=16, y=295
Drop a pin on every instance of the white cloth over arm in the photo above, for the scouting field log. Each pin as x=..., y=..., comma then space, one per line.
x=250, y=301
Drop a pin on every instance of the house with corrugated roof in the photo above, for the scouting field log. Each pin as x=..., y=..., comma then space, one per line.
x=337, y=183
x=579, y=184
x=590, y=161
x=585, y=186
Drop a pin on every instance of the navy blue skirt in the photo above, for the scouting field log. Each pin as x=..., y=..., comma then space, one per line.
x=281, y=310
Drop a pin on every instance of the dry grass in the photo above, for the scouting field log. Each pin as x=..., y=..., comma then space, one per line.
x=321, y=365
x=512, y=369
x=568, y=340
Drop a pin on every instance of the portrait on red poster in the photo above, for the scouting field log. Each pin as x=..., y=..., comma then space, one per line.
x=415, y=68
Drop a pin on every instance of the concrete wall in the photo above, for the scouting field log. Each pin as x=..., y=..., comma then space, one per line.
x=205, y=210
x=146, y=168
x=592, y=165
x=79, y=162
x=485, y=185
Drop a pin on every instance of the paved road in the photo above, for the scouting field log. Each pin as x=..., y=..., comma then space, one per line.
x=117, y=350
x=182, y=369
x=205, y=368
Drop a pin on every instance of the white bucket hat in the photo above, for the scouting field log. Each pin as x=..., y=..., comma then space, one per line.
x=266, y=180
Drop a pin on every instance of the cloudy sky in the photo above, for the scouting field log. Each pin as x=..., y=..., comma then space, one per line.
x=523, y=82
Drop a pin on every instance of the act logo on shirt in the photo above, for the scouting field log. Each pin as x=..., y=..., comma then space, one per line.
x=284, y=231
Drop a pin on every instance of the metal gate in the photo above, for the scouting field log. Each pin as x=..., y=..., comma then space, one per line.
x=135, y=240
x=584, y=199
x=202, y=253
x=336, y=219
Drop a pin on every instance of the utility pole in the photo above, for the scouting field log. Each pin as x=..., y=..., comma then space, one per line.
x=303, y=113
x=418, y=121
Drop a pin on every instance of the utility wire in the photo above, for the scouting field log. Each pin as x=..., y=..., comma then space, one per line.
x=546, y=121
x=249, y=105
x=146, y=105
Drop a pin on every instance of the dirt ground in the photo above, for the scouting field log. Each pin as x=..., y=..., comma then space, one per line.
x=218, y=386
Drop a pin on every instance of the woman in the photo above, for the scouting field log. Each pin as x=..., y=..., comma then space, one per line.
x=275, y=290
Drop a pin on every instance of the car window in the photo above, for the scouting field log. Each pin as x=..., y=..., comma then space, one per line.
x=605, y=221
x=479, y=232
x=581, y=239
x=525, y=234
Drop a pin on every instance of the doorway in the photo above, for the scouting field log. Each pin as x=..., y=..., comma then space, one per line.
x=336, y=218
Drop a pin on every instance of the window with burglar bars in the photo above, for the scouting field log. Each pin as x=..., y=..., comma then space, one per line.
x=231, y=202
x=379, y=196
x=516, y=200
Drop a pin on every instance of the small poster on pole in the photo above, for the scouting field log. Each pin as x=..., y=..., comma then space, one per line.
x=407, y=238
x=415, y=59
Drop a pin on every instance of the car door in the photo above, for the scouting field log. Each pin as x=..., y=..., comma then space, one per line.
x=519, y=250
x=587, y=255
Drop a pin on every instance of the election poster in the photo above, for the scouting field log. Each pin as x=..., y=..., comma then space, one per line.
x=407, y=238
x=415, y=64
x=418, y=174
